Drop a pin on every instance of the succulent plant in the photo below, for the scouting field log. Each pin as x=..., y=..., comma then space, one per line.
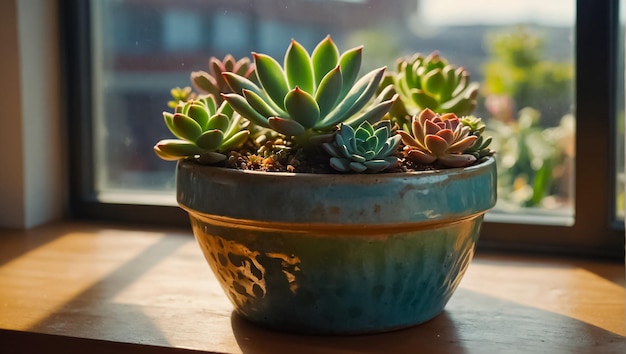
x=263, y=114
x=180, y=95
x=438, y=138
x=213, y=82
x=430, y=82
x=480, y=148
x=204, y=130
x=368, y=148
x=309, y=95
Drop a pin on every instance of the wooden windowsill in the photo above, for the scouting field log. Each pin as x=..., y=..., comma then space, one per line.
x=85, y=288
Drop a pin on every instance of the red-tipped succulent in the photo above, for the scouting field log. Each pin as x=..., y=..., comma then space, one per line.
x=213, y=82
x=438, y=138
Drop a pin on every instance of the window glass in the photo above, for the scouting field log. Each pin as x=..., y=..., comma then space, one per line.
x=619, y=119
x=522, y=53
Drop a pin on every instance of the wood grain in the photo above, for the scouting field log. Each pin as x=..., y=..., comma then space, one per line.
x=78, y=287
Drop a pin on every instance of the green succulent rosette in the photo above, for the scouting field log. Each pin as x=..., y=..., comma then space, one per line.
x=480, y=148
x=429, y=82
x=309, y=95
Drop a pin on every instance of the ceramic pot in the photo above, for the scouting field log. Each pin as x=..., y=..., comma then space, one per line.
x=337, y=254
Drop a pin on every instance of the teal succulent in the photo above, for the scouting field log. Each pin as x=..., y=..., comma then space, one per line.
x=309, y=95
x=213, y=82
x=369, y=148
x=431, y=82
x=438, y=138
x=205, y=131
x=480, y=148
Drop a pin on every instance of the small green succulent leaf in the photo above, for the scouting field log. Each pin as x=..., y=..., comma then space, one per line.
x=486, y=143
x=235, y=141
x=184, y=107
x=462, y=81
x=218, y=121
x=357, y=166
x=371, y=81
x=169, y=122
x=410, y=72
x=377, y=165
x=390, y=146
x=328, y=90
x=286, y=126
x=259, y=104
x=358, y=158
x=450, y=82
x=324, y=58
x=199, y=113
x=346, y=137
x=350, y=62
x=239, y=83
x=209, y=102
x=434, y=81
x=381, y=134
x=373, y=114
x=241, y=106
x=174, y=149
x=210, y=140
x=302, y=107
x=298, y=68
x=357, y=97
x=234, y=126
x=224, y=108
x=368, y=155
x=331, y=149
x=423, y=99
x=164, y=156
x=271, y=77
x=186, y=127
x=368, y=127
x=340, y=164
x=462, y=104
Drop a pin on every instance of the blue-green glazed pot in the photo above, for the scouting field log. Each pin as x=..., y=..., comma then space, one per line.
x=337, y=254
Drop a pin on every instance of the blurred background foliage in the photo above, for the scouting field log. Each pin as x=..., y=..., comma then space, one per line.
x=529, y=105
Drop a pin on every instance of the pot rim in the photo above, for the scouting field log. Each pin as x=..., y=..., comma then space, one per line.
x=337, y=199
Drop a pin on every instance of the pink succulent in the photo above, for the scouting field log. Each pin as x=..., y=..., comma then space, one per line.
x=438, y=138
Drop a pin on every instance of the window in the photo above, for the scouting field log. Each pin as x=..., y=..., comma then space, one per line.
x=546, y=107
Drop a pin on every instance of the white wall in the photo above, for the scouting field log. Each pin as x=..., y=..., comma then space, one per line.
x=32, y=165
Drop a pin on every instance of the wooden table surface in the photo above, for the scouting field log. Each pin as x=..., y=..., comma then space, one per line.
x=84, y=288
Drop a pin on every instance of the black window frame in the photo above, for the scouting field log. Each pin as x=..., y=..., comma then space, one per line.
x=595, y=231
